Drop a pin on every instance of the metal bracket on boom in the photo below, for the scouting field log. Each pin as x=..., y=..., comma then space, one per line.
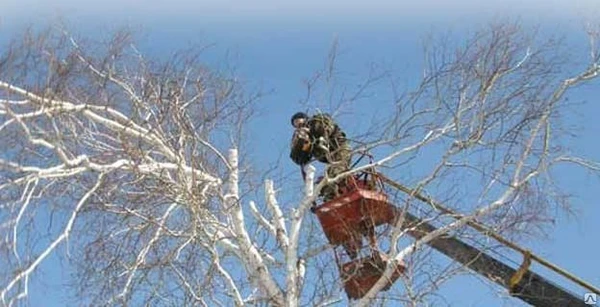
x=515, y=279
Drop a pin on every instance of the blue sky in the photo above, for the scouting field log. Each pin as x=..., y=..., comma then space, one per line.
x=275, y=46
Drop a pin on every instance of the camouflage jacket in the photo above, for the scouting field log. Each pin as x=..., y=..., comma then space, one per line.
x=320, y=126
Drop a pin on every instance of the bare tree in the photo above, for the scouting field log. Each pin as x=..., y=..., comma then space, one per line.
x=128, y=168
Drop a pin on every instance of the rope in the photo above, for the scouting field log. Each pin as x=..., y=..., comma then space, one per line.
x=488, y=232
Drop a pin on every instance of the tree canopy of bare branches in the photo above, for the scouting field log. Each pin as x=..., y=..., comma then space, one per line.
x=128, y=168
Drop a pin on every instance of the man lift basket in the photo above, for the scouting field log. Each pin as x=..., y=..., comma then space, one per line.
x=355, y=214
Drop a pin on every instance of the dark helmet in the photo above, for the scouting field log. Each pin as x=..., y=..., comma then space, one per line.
x=297, y=116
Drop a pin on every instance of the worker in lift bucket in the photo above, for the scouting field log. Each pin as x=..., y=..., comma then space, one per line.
x=320, y=137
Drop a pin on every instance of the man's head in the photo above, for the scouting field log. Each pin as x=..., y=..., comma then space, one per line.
x=299, y=119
